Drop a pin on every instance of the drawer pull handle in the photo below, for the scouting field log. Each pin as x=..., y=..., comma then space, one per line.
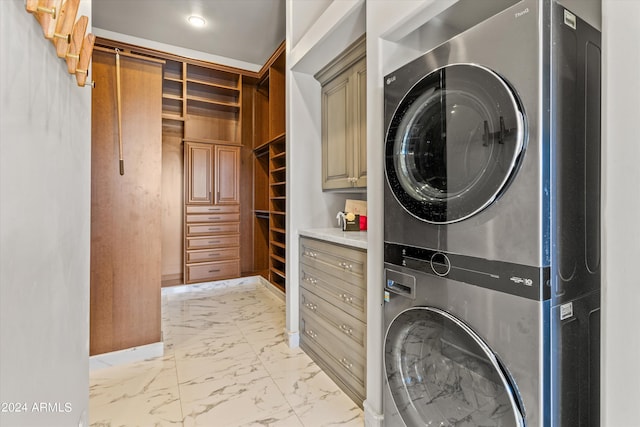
x=310, y=254
x=346, y=329
x=214, y=271
x=215, y=254
x=213, y=242
x=213, y=218
x=214, y=209
x=346, y=363
x=214, y=229
x=311, y=333
x=311, y=280
x=311, y=307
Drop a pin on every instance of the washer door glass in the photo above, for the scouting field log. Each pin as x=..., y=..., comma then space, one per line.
x=454, y=143
x=440, y=373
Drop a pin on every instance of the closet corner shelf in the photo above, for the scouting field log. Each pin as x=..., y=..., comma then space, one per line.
x=172, y=78
x=265, y=144
x=278, y=272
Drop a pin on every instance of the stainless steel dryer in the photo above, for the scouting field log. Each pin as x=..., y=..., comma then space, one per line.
x=492, y=194
x=457, y=354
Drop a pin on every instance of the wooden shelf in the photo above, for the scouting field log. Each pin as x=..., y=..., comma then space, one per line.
x=273, y=184
x=173, y=79
x=169, y=96
x=280, y=169
x=261, y=214
x=234, y=89
x=278, y=244
x=278, y=258
x=228, y=105
x=278, y=230
x=278, y=272
x=211, y=141
x=175, y=117
x=277, y=213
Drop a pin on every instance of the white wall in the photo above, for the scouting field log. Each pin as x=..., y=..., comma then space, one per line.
x=621, y=214
x=45, y=142
x=336, y=24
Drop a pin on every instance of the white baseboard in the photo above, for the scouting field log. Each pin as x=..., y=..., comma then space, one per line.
x=270, y=286
x=293, y=338
x=128, y=355
x=371, y=417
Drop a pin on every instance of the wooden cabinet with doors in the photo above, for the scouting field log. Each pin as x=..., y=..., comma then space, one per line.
x=212, y=211
x=344, y=111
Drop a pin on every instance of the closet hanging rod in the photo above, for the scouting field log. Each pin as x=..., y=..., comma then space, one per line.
x=129, y=54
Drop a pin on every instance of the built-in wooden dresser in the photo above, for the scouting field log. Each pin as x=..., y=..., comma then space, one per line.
x=333, y=296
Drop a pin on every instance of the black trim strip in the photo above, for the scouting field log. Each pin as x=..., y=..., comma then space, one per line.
x=515, y=279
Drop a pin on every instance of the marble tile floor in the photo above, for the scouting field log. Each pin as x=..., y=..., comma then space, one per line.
x=226, y=363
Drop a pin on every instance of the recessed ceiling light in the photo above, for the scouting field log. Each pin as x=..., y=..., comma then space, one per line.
x=196, y=21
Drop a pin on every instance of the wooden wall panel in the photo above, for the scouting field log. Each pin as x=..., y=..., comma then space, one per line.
x=172, y=207
x=125, y=210
x=246, y=180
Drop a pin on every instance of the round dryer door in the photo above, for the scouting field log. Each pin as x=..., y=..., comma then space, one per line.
x=454, y=143
x=440, y=373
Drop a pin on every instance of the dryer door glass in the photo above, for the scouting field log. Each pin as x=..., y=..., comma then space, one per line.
x=441, y=373
x=454, y=143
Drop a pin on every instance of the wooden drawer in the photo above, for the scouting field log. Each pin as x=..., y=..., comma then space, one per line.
x=213, y=217
x=338, y=358
x=213, y=209
x=340, y=261
x=212, y=271
x=213, y=242
x=349, y=297
x=343, y=326
x=212, y=229
x=213, y=255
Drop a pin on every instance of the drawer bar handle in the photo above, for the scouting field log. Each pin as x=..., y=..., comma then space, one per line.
x=212, y=218
x=346, y=329
x=213, y=242
x=214, y=229
x=347, y=298
x=346, y=363
x=345, y=265
x=214, y=209
x=214, y=254
x=214, y=271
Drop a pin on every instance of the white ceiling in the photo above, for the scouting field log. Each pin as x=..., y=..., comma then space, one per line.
x=243, y=30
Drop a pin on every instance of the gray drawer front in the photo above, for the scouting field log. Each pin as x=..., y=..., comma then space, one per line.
x=344, y=295
x=341, y=325
x=345, y=263
x=338, y=357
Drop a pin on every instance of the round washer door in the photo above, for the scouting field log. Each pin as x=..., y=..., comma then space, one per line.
x=454, y=143
x=441, y=373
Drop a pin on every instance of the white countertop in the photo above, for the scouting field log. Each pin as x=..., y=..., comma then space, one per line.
x=356, y=239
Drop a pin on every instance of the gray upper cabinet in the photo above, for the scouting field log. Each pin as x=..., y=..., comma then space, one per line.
x=344, y=119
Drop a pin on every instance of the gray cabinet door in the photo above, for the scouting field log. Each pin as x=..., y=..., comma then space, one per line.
x=337, y=140
x=344, y=127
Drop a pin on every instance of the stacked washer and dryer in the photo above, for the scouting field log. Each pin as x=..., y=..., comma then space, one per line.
x=492, y=225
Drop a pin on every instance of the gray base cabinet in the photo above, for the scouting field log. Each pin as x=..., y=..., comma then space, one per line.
x=333, y=298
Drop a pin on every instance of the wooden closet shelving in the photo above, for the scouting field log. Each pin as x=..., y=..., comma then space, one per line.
x=270, y=166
